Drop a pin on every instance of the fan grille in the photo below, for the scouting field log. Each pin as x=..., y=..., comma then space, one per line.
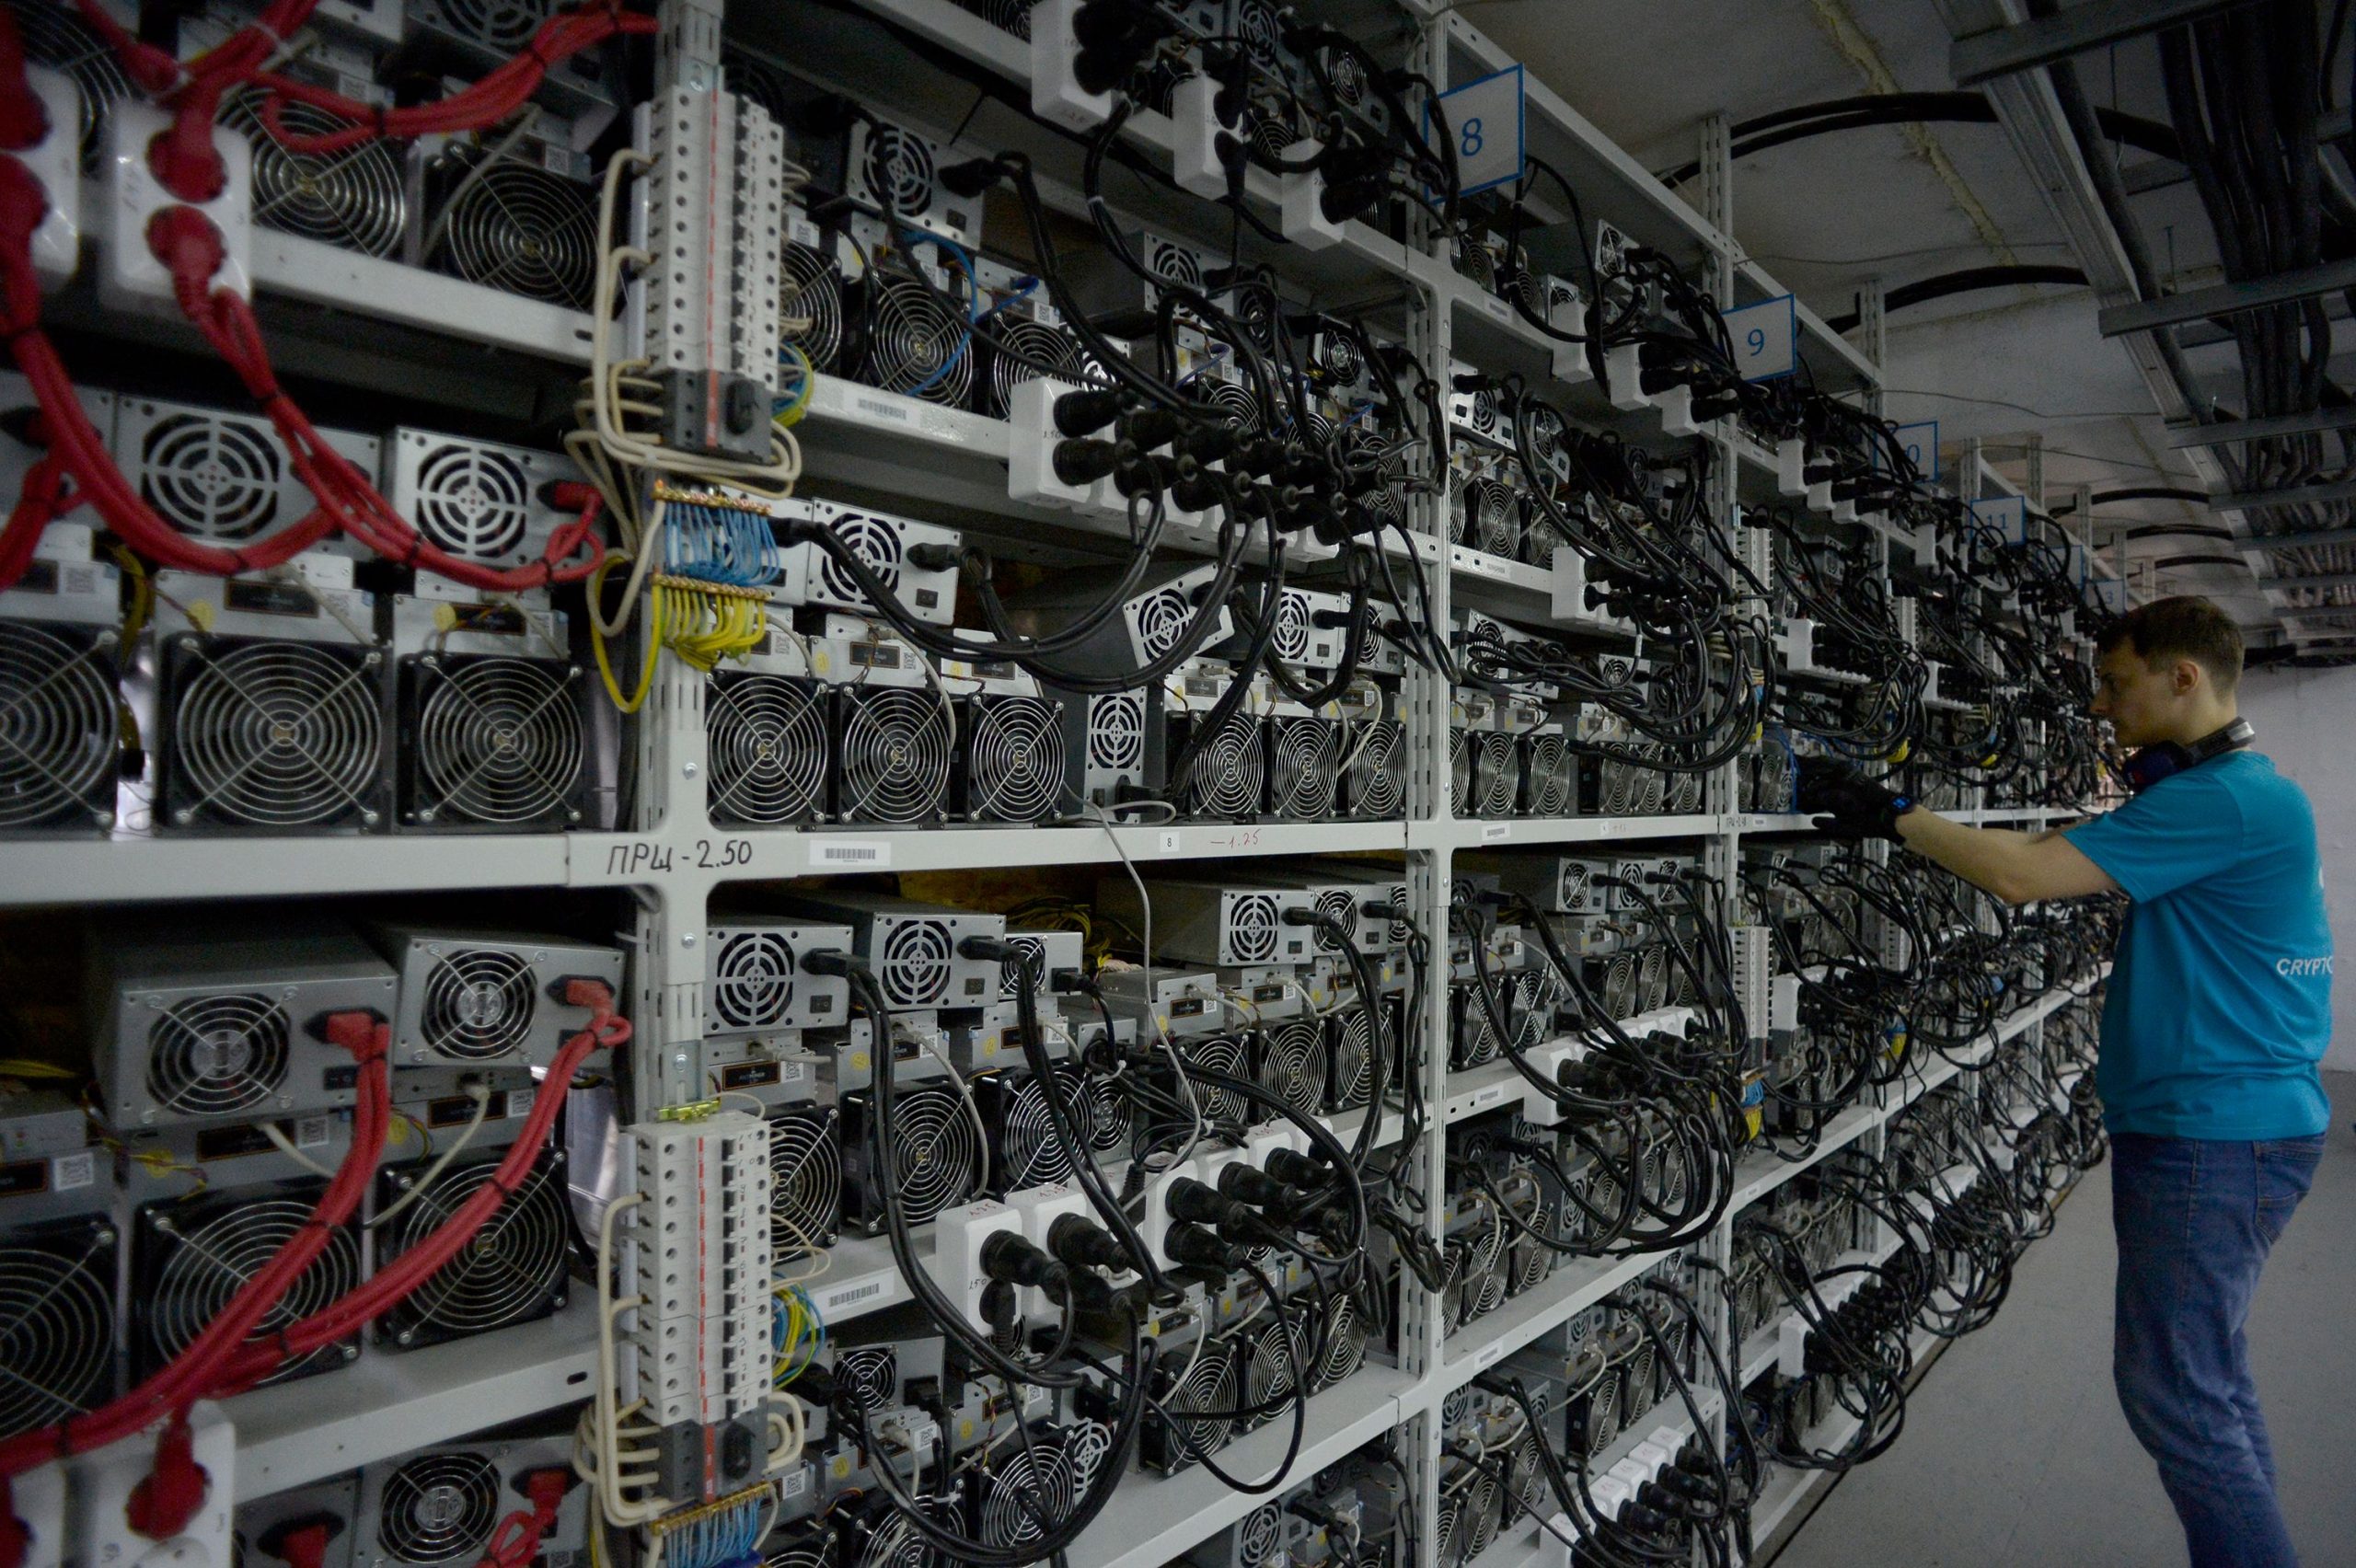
x=770, y=748
x=897, y=165
x=521, y=229
x=914, y=344
x=875, y=542
x=58, y=731
x=56, y=1327
x=473, y=501
x=513, y=1270
x=276, y=734
x=1162, y=620
x=1221, y=1053
x=1227, y=775
x=354, y=199
x=1303, y=767
x=1550, y=774
x=1272, y=1365
x=1344, y=1346
x=810, y=305
x=806, y=1182
x=54, y=37
x=1252, y=926
x=869, y=1376
x=917, y=962
x=936, y=1155
x=1290, y=638
x=895, y=756
x=496, y=740
x=1292, y=1064
x=218, y=1055
x=1257, y=1536
x=1037, y=342
x=211, y=475
x=438, y=1508
x=1499, y=771
x=1371, y=771
x=1116, y=731
x=1030, y=1152
x=752, y=980
x=203, y=1255
x=1460, y=770
x=1349, y=1080
x=1207, y=1385
x=479, y=1003
x=1032, y=1485
x=1014, y=759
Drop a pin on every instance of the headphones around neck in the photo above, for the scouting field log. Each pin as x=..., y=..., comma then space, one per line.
x=2168, y=758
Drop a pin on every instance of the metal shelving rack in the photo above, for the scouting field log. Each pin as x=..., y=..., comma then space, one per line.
x=949, y=464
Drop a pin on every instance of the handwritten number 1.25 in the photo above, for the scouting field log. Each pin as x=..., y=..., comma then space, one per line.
x=1471, y=144
x=1757, y=339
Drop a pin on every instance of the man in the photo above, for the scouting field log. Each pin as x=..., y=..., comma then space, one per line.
x=2218, y=1012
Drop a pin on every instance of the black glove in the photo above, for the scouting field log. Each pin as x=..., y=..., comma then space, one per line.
x=1851, y=805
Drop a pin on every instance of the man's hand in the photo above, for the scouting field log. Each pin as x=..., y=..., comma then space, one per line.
x=1850, y=805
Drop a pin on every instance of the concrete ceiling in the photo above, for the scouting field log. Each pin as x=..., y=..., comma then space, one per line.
x=1906, y=202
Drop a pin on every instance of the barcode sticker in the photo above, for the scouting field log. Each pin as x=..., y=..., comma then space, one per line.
x=801, y=230
x=1500, y=309
x=310, y=1132
x=519, y=1101
x=795, y=1483
x=879, y=408
x=835, y=1301
x=1495, y=832
x=68, y=1172
x=870, y=853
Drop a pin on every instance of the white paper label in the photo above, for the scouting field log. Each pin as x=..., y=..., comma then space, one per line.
x=879, y=408
x=846, y=1296
x=1169, y=842
x=1495, y=832
x=68, y=1172
x=870, y=854
x=310, y=1132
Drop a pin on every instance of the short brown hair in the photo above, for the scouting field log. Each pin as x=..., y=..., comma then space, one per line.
x=2184, y=627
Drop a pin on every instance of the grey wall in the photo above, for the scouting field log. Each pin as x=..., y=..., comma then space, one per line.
x=2306, y=722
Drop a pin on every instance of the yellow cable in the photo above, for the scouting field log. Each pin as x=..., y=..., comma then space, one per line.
x=633, y=703
x=790, y=415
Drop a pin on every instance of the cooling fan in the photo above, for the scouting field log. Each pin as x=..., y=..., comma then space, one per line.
x=1349, y=1058
x=1174, y=1434
x=1269, y=1360
x=1550, y=777
x=868, y=1377
x=1303, y=767
x=770, y=747
x=59, y=727
x=913, y=343
x=1371, y=781
x=191, y=1256
x=1028, y=350
x=1496, y=518
x=513, y=1272
x=754, y=978
x=492, y=741
x=1025, y=1151
x=215, y=477
x=1460, y=750
x=1012, y=766
x=1345, y=1345
x=1113, y=742
x=514, y=226
x=354, y=200
x=476, y=499
x=478, y=1004
x=436, y=1509
x=893, y=757
x=918, y=965
x=805, y=1181
x=57, y=1317
x=270, y=735
x=1229, y=775
x=1497, y=772
x=937, y=1156
x=1036, y=1483
x=1291, y=1064
x=810, y=303
x=1007, y=16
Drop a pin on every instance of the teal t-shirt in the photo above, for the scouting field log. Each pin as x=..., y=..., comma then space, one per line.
x=2220, y=1005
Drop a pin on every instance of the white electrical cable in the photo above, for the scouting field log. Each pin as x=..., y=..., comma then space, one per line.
x=481, y=1094
x=272, y=1131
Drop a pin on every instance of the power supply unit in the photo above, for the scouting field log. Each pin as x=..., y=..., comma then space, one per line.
x=916, y=562
x=226, y=479
x=913, y=948
x=198, y=1027
x=1203, y=922
x=477, y=500
x=476, y=997
x=439, y=1507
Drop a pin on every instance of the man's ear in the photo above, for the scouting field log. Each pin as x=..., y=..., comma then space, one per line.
x=2186, y=676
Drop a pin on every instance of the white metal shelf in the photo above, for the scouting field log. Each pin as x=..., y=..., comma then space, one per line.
x=1152, y=1519
x=294, y=1434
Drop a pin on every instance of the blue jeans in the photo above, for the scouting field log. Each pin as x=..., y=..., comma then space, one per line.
x=2195, y=1219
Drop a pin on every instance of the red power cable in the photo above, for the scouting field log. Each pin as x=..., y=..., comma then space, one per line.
x=518, y=1540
